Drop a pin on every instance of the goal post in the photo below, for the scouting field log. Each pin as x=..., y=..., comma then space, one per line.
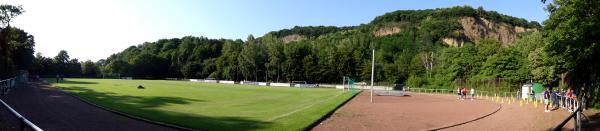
x=350, y=84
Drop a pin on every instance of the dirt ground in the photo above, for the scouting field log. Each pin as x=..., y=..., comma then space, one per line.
x=432, y=111
x=54, y=110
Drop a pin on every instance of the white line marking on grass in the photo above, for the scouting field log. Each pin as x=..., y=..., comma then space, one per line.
x=305, y=107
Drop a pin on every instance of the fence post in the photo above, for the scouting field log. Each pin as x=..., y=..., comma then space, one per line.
x=576, y=122
x=21, y=123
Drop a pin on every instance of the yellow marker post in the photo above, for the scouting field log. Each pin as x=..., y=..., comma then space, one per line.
x=496, y=98
x=512, y=98
x=520, y=103
x=535, y=104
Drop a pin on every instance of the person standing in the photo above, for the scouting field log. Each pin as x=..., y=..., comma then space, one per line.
x=546, y=99
x=568, y=100
x=458, y=93
x=472, y=93
x=57, y=78
x=555, y=103
x=464, y=93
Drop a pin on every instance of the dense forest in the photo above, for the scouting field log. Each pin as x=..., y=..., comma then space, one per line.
x=323, y=54
x=419, y=48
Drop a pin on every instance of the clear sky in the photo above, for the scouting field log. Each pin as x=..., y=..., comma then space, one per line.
x=95, y=29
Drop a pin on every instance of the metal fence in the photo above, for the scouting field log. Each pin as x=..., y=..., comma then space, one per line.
x=5, y=86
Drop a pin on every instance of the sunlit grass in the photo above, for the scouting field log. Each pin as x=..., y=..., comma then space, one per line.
x=210, y=106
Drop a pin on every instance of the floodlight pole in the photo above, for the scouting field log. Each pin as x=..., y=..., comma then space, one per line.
x=372, y=74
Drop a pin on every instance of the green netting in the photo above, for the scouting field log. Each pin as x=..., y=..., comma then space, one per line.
x=352, y=86
x=538, y=88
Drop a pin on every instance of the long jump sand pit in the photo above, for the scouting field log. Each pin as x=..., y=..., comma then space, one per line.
x=414, y=112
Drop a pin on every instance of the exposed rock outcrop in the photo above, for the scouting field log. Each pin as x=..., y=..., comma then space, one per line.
x=454, y=42
x=475, y=29
x=292, y=38
x=384, y=31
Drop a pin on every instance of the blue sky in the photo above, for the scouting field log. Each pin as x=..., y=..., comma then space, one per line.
x=93, y=30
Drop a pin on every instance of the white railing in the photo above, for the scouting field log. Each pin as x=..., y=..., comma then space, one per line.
x=5, y=86
x=568, y=103
x=23, y=122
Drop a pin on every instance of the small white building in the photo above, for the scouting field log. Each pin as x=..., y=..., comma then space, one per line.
x=525, y=90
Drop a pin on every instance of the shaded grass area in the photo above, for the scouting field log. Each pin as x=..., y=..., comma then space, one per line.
x=209, y=106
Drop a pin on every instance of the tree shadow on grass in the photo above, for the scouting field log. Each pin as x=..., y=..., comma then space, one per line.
x=67, y=81
x=147, y=107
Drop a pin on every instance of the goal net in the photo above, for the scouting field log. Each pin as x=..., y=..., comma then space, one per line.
x=350, y=84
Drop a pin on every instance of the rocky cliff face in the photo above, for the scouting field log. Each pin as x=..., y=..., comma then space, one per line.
x=475, y=29
x=292, y=38
x=384, y=31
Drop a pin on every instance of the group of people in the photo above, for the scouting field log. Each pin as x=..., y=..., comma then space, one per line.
x=553, y=99
x=566, y=99
x=59, y=78
x=462, y=93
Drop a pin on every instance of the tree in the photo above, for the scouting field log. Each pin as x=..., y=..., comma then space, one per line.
x=62, y=59
x=227, y=63
x=89, y=69
x=543, y=68
x=9, y=43
x=488, y=47
x=8, y=12
x=504, y=64
x=460, y=63
x=190, y=70
x=572, y=36
x=252, y=59
x=275, y=56
x=247, y=59
x=149, y=66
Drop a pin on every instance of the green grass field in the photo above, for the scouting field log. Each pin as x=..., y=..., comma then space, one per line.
x=210, y=106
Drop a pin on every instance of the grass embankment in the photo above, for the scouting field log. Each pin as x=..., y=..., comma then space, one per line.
x=210, y=106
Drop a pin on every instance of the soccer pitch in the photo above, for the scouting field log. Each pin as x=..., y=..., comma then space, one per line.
x=209, y=106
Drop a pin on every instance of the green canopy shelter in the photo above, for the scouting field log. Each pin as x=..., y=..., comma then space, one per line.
x=538, y=88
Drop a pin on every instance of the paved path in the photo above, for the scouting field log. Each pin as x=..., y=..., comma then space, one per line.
x=54, y=110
